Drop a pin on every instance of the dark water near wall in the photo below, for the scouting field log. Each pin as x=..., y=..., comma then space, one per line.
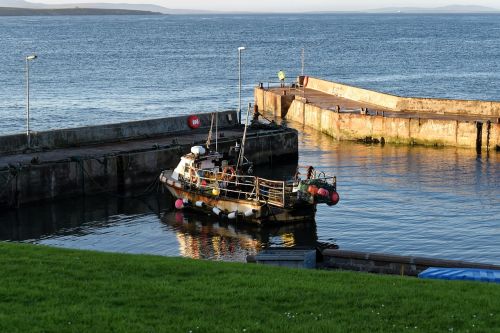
x=108, y=69
x=398, y=199
x=441, y=203
x=148, y=226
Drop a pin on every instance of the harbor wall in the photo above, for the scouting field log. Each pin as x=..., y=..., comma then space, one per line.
x=354, y=93
x=408, y=104
x=129, y=171
x=276, y=105
x=90, y=135
x=379, y=128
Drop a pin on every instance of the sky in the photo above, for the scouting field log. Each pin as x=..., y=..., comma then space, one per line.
x=289, y=5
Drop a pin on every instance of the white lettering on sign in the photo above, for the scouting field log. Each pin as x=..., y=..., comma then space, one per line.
x=194, y=122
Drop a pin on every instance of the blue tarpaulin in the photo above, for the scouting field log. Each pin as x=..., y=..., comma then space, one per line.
x=472, y=274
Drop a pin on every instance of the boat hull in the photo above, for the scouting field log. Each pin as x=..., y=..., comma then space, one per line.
x=261, y=212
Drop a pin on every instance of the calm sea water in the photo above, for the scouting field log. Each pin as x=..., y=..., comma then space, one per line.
x=397, y=199
x=94, y=70
x=441, y=203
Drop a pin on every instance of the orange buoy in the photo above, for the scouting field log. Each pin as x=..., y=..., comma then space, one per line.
x=312, y=189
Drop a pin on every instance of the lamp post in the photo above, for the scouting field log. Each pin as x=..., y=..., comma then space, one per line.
x=241, y=48
x=303, y=58
x=28, y=59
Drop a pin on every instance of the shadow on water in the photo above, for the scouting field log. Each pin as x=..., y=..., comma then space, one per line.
x=73, y=216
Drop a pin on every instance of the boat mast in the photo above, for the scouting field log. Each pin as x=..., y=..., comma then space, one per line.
x=209, y=139
x=216, y=129
x=242, y=150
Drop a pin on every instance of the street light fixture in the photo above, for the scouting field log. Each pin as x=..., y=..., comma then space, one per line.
x=28, y=59
x=241, y=48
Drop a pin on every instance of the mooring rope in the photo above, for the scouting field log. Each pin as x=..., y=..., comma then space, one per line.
x=13, y=171
x=152, y=187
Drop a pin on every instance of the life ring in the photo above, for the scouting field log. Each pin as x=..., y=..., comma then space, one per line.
x=193, y=175
x=228, y=174
x=194, y=122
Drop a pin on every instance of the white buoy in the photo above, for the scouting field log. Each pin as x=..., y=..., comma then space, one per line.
x=199, y=204
x=232, y=215
x=186, y=201
x=198, y=150
x=216, y=211
x=249, y=213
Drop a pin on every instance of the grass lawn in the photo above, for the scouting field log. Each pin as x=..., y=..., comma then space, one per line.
x=55, y=290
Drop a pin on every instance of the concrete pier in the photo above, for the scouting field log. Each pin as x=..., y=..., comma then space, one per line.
x=120, y=157
x=350, y=113
x=390, y=264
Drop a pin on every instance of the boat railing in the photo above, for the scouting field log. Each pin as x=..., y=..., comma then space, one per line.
x=271, y=191
x=310, y=175
x=239, y=186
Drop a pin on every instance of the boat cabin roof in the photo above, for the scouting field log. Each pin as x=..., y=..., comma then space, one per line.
x=198, y=158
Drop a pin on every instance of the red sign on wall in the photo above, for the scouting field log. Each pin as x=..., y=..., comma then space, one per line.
x=194, y=122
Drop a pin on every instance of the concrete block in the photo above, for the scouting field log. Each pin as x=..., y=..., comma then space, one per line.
x=89, y=135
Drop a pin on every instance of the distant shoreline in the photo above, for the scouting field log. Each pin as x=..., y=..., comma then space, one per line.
x=12, y=11
x=75, y=11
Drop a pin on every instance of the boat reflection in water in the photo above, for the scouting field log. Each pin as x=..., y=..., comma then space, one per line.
x=200, y=237
x=146, y=225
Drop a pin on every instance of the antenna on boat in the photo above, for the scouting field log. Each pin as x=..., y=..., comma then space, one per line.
x=216, y=129
x=242, y=150
x=209, y=139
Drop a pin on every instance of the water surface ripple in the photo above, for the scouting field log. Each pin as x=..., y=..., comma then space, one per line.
x=396, y=199
x=94, y=70
x=433, y=202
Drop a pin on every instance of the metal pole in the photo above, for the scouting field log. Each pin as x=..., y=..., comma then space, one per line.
x=28, y=132
x=241, y=48
x=303, y=60
x=244, y=140
x=239, y=83
x=28, y=102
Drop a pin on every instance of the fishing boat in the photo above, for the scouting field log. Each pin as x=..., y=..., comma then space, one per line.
x=223, y=185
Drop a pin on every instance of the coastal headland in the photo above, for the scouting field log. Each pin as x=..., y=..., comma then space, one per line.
x=13, y=11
